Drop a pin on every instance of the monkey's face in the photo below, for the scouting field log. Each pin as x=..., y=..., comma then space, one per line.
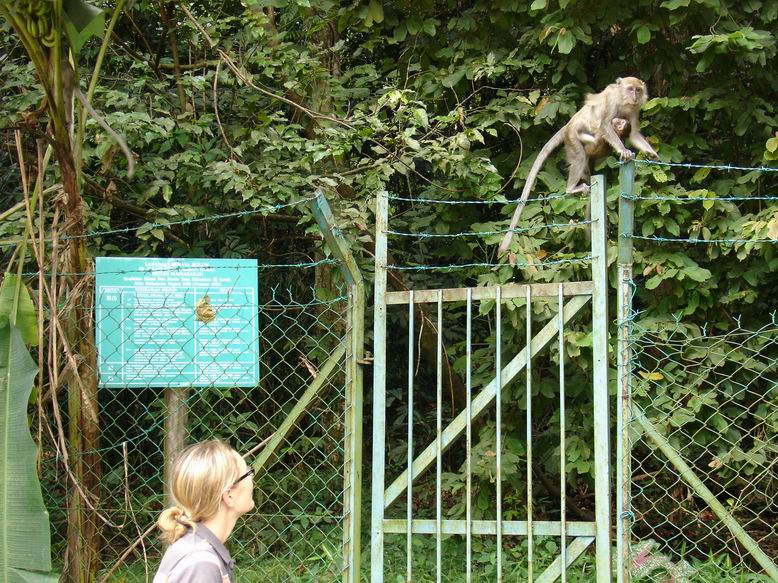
x=620, y=125
x=633, y=91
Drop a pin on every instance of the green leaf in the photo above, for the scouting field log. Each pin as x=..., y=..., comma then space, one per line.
x=681, y=417
x=772, y=145
x=701, y=175
x=644, y=35
x=654, y=282
x=538, y=5
x=26, y=319
x=565, y=41
x=25, y=543
x=719, y=422
x=697, y=273
x=705, y=62
x=659, y=174
x=376, y=11
x=675, y=4
x=82, y=22
x=453, y=78
x=549, y=110
x=420, y=117
x=400, y=32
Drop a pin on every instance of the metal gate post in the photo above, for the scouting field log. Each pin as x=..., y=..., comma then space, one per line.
x=624, y=368
x=600, y=356
x=379, y=393
x=355, y=350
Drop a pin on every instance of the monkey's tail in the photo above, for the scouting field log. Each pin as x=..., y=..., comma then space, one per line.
x=545, y=152
x=117, y=138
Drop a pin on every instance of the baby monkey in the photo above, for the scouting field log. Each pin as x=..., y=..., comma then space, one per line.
x=598, y=150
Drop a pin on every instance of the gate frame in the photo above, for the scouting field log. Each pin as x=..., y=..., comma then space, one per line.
x=382, y=497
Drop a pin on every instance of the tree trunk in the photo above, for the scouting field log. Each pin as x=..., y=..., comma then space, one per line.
x=83, y=551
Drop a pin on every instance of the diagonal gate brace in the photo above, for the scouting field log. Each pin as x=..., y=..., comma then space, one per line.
x=574, y=550
x=691, y=479
x=483, y=399
x=299, y=408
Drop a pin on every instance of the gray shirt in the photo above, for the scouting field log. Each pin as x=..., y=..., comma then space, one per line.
x=197, y=557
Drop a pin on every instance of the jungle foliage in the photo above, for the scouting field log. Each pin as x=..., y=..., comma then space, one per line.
x=231, y=106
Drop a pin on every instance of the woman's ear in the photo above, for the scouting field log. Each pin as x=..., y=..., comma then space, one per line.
x=228, y=498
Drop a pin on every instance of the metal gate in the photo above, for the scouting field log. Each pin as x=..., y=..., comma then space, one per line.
x=568, y=299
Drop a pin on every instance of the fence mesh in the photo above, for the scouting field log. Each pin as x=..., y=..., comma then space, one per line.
x=295, y=533
x=715, y=399
x=702, y=422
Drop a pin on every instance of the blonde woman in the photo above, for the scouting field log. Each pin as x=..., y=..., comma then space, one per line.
x=212, y=487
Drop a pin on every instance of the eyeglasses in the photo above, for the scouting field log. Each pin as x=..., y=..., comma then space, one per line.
x=250, y=472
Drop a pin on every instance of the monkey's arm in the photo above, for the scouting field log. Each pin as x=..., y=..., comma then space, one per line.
x=609, y=111
x=638, y=140
x=117, y=138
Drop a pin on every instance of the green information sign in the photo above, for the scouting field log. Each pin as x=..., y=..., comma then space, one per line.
x=177, y=322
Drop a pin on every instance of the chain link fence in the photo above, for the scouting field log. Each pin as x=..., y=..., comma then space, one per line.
x=714, y=399
x=697, y=486
x=292, y=422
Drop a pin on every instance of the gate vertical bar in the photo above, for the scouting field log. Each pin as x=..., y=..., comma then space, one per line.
x=498, y=421
x=562, y=450
x=352, y=470
x=438, y=449
x=409, y=503
x=379, y=393
x=600, y=368
x=624, y=356
x=530, y=537
x=469, y=446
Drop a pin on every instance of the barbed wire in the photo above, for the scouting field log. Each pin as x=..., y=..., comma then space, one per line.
x=727, y=167
x=152, y=226
x=698, y=199
x=424, y=235
x=697, y=241
x=307, y=264
x=481, y=202
x=575, y=261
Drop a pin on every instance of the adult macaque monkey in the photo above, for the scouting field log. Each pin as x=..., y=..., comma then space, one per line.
x=588, y=135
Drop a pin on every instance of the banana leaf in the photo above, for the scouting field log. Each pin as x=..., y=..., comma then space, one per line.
x=82, y=21
x=25, y=543
x=21, y=305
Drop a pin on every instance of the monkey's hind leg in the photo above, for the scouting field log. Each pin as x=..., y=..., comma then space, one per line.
x=578, y=173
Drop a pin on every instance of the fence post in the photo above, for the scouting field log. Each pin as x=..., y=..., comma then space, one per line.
x=378, y=498
x=335, y=240
x=602, y=497
x=176, y=424
x=624, y=371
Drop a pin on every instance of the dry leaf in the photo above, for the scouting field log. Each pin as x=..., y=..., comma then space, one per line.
x=309, y=366
x=204, y=312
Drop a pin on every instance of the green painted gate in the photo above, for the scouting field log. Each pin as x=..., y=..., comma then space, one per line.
x=568, y=299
